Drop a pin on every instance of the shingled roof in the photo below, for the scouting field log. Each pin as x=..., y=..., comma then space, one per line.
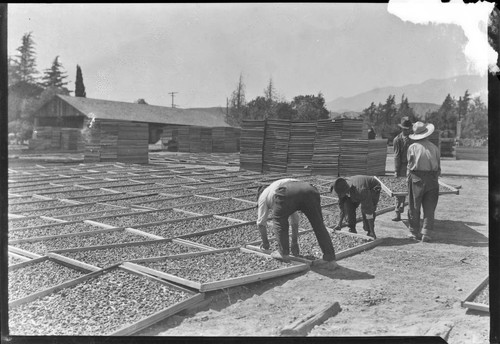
x=106, y=109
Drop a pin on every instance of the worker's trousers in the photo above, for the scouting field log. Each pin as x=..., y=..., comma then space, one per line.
x=294, y=196
x=351, y=207
x=423, y=192
x=400, y=200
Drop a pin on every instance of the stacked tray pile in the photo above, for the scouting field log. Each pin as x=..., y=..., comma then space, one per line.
x=183, y=139
x=206, y=140
x=232, y=140
x=218, y=138
x=195, y=145
x=251, y=145
x=301, y=147
x=276, y=141
x=351, y=128
x=366, y=157
x=326, y=148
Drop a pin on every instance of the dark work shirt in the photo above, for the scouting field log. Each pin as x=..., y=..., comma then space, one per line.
x=361, y=191
x=401, y=144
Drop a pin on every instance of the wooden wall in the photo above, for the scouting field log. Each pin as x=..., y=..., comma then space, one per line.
x=197, y=139
x=57, y=139
x=122, y=141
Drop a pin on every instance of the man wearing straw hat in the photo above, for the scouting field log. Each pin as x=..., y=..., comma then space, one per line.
x=401, y=144
x=424, y=168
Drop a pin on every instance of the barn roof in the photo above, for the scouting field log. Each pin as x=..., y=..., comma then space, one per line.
x=106, y=109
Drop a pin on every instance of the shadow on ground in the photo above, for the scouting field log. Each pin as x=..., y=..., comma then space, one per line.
x=458, y=233
x=477, y=313
x=447, y=232
x=343, y=273
x=397, y=241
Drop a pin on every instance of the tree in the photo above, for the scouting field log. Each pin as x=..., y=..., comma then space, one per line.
x=259, y=109
x=445, y=119
x=309, y=108
x=283, y=110
x=270, y=92
x=369, y=113
x=475, y=124
x=237, y=105
x=141, y=101
x=54, y=76
x=23, y=66
x=79, y=86
x=463, y=105
x=405, y=110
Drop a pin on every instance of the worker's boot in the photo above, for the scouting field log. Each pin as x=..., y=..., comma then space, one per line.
x=397, y=217
x=353, y=230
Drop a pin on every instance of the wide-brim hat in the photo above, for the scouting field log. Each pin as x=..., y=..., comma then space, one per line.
x=405, y=123
x=421, y=130
x=341, y=187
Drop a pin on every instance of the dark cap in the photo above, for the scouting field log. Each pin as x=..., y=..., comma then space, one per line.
x=341, y=186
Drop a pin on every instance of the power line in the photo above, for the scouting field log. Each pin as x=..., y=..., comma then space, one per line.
x=172, y=94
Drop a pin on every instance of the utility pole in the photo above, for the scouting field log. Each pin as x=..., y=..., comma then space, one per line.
x=172, y=94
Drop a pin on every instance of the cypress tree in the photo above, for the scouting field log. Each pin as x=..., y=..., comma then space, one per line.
x=79, y=86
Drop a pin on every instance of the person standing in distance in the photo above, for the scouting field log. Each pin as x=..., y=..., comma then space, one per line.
x=285, y=197
x=424, y=169
x=401, y=143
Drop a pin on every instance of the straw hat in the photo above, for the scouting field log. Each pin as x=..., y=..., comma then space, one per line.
x=421, y=131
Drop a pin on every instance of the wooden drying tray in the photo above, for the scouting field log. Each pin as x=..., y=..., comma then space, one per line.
x=104, y=229
x=468, y=302
x=127, y=329
x=339, y=255
x=18, y=256
x=59, y=252
x=453, y=190
x=209, y=286
x=54, y=258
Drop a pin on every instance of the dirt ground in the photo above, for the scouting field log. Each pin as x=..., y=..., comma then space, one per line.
x=400, y=288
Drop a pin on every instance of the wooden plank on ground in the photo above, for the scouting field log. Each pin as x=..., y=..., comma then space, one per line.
x=467, y=303
x=302, y=326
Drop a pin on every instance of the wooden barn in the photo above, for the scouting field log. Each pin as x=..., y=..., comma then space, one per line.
x=110, y=130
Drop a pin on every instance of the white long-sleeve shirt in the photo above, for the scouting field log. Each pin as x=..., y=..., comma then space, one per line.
x=265, y=203
x=423, y=155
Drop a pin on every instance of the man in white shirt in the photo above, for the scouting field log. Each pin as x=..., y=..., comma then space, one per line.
x=265, y=204
x=424, y=169
x=282, y=199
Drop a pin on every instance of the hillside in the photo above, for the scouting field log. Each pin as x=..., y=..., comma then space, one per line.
x=432, y=91
x=422, y=108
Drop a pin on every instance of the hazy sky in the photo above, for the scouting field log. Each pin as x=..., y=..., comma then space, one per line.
x=132, y=51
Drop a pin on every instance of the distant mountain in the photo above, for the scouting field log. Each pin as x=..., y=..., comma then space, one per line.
x=432, y=91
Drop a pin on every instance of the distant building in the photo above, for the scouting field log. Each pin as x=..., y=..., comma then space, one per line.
x=63, y=121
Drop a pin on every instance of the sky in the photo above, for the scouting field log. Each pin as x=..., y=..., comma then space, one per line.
x=131, y=51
